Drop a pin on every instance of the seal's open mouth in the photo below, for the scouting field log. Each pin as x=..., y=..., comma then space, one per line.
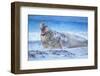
x=42, y=34
x=44, y=30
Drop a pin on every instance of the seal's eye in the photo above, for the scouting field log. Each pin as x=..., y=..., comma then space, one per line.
x=43, y=29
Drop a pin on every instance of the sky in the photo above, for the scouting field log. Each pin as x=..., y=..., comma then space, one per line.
x=57, y=23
